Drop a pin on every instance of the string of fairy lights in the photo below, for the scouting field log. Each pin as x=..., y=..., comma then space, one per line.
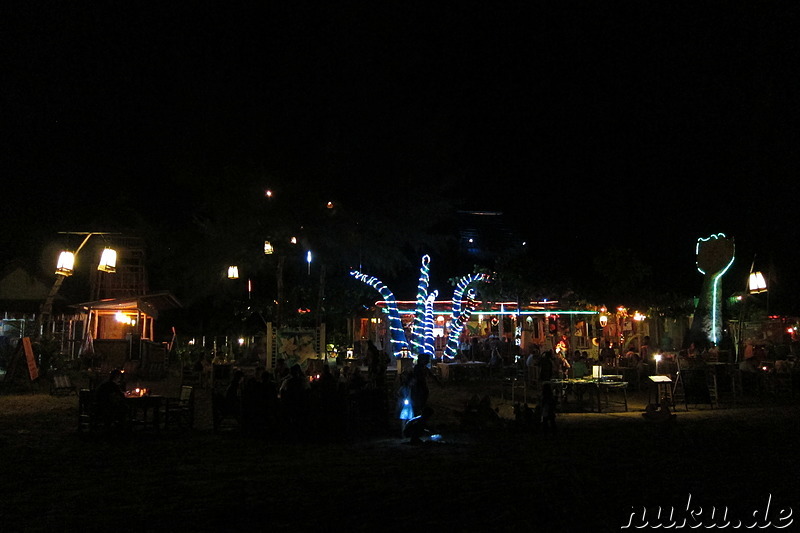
x=397, y=334
x=418, y=328
x=422, y=338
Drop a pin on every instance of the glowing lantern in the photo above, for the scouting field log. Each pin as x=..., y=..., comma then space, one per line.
x=756, y=283
x=603, y=317
x=66, y=263
x=268, y=249
x=597, y=371
x=233, y=272
x=108, y=261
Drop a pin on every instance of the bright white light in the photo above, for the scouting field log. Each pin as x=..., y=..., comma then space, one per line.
x=108, y=261
x=66, y=263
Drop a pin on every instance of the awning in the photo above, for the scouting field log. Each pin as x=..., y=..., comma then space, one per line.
x=149, y=304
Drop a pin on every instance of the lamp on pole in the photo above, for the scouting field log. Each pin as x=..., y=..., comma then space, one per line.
x=756, y=284
x=65, y=268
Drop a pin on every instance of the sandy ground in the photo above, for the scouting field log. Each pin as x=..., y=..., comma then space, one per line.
x=590, y=475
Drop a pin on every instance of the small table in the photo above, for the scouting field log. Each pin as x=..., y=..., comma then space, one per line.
x=145, y=411
x=469, y=368
x=596, y=387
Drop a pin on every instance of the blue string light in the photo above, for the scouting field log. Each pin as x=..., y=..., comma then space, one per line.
x=418, y=330
x=397, y=334
x=459, y=317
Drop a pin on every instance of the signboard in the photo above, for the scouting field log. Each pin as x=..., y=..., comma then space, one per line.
x=33, y=370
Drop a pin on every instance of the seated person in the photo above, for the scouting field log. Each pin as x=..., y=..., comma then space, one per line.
x=659, y=414
x=418, y=426
x=110, y=400
x=580, y=369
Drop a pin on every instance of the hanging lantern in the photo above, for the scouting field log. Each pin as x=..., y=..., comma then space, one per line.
x=66, y=263
x=603, y=319
x=233, y=272
x=268, y=249
x=108, y=261
x=756, y=283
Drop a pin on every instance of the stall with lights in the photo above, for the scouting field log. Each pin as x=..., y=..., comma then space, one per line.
x=123, y=329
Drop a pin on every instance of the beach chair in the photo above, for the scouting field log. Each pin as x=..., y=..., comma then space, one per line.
x=62, y=384
x=179, y=412
x=87, y=411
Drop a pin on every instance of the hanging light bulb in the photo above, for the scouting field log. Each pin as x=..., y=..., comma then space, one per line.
x=108, y=261
x=66, y=263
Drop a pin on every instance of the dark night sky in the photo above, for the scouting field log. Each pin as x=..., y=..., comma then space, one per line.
x=641, y=125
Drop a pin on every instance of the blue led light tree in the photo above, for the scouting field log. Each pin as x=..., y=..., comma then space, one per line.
x=422, y=329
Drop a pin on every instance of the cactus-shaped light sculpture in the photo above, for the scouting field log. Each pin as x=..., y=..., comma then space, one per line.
x=715, y=255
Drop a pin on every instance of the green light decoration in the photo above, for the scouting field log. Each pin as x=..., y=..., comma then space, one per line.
x=715, y=255
x=422, y=330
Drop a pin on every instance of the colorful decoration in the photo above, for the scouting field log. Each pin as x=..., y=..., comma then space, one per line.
x=422, y=329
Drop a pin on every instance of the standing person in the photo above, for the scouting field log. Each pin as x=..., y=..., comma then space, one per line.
x=546, y=364
x=419, y=387
x=474, y=349
x=377, y=362
x=269, y=401
x=562, y=366
x=233, y=394
x=548, y=408
x=294, y=398
x=532, y=366
x=644, y=349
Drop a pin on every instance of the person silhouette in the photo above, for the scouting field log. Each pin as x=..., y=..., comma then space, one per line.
x=418, y=426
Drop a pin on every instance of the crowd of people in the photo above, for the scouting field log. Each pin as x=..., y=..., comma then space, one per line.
x=324, y=402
